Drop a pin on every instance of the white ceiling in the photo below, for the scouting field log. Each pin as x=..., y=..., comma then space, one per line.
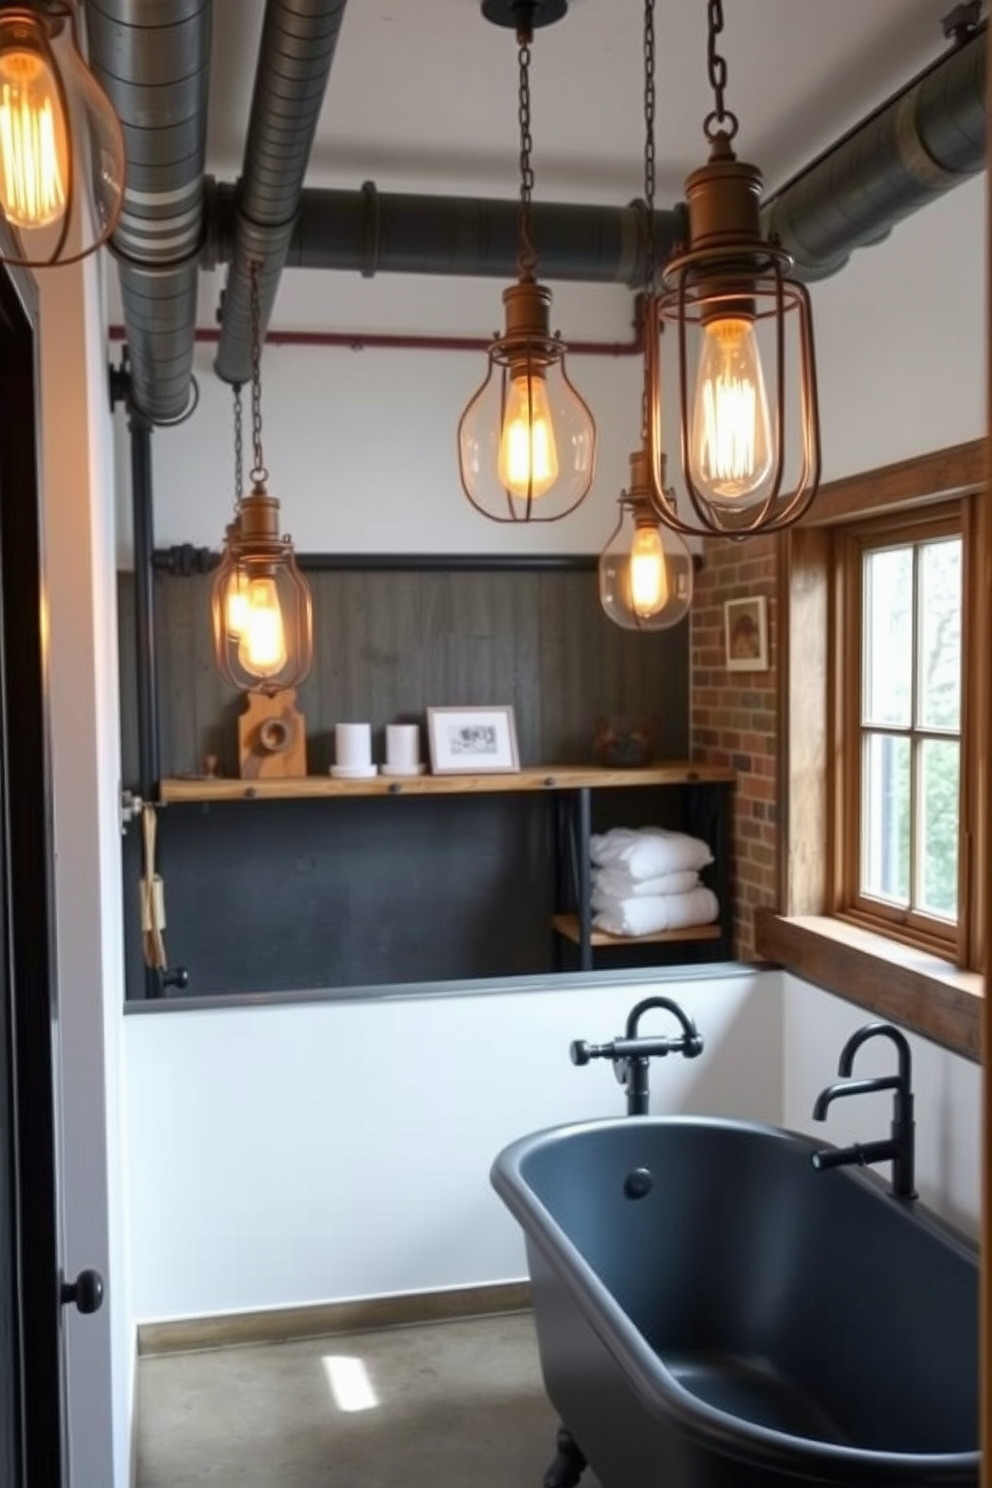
x=422, y=93
x=423, y=97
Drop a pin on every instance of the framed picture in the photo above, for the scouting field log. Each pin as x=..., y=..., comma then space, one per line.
x=472, y=741
x=745, y=631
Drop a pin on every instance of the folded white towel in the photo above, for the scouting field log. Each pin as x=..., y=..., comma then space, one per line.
x=648, y=852
x=620, y=883
x=654, y=912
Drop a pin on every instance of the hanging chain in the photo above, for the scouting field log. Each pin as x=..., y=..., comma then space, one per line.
x=721, y=120
x=259, y=474
x=239, y=449
x=526, y=253
x=649, y=189
x=649, y=145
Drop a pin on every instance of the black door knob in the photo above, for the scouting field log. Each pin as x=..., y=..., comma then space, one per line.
x=85, y=1293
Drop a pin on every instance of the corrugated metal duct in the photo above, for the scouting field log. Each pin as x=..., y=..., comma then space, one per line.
x=920, y=144
x=299, y=38
x=153, y=58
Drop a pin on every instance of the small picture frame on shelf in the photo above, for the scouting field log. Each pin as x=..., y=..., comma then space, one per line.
x=745, y=629
x=472, y=741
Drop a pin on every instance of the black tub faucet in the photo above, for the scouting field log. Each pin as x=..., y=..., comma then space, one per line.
x=899, y=1148
x=631, y=1055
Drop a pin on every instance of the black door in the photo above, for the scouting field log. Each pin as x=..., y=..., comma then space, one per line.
x=32, y=1436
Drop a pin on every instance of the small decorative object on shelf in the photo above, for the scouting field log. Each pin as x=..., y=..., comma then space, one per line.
x=472, y=741
x=272, y=737
x=622, y=743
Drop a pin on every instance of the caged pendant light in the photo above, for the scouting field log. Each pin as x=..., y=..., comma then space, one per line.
x=526, y=441
x=262, y=613
x=740, y=334
x=61, y=143
x=645, y=569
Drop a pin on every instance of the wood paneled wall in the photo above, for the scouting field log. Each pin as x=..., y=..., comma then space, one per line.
x=391, y=643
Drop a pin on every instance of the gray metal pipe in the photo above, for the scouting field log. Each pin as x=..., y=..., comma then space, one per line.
x=922, y=142
x=153, y=59
x=299, y=38
x=371, y=232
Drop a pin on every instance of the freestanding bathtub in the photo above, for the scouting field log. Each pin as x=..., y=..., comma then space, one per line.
x=714, y=1313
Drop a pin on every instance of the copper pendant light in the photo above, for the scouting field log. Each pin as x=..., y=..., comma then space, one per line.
x=526, y=441
x=645, y=569
x=740, y=333
x=61, y=144
x=262, y=612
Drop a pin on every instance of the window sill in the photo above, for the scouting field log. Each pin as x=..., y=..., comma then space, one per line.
x=914, y=988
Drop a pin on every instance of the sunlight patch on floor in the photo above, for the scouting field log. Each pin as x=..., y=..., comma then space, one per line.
x=349, y=1383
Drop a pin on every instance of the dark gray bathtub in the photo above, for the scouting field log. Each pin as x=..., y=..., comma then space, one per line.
x=746, y=1319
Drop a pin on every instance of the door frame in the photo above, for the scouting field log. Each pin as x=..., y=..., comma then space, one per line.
x=26, y=840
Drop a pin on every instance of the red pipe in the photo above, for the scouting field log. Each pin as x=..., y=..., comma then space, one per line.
x=375, y=341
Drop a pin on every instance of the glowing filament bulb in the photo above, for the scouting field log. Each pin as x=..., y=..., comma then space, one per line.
x=648, y=573
x=262, y=648
x=528, y=459
x=236, y=603
x=33, y=143
x=730, y=440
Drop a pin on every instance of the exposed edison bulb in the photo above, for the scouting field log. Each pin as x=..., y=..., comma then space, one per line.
x=262, y=645
x=730, y=441
x=34, y=153
x=648, y=572
x=236, y=603
x=528, y=457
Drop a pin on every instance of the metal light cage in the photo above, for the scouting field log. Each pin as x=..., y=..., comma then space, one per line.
x=91, y=156
x=617, y=581
x=527, y=351
x=254, y=550
x=698, y=286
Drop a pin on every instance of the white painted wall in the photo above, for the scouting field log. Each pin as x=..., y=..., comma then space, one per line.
x=299, y=1154
x=947, y=1089
x=361, y=445
x=900, y=339
x=81, y=612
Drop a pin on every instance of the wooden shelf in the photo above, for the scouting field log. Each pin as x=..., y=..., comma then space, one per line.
x=568, y=925
x=534, y=778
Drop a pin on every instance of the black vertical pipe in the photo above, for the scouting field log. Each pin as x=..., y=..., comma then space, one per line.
x=146, y=675
x=144, y=604
x=584, y=804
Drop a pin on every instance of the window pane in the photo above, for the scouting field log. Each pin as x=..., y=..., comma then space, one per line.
x=938, y=813
x=887, y=695
x=940, y=634
x=885, y=835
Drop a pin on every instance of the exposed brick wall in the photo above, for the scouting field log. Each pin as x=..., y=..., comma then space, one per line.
x=733, y=719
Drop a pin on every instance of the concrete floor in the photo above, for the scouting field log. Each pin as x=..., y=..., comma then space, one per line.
x=448, y=1405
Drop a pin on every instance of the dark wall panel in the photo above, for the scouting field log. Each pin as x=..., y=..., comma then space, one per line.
x=390, y=644
x=303, y=894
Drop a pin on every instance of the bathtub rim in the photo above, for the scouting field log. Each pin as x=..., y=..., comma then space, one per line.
x=657, y=1389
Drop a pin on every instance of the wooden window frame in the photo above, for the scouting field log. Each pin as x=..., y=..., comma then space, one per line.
x=804, y=934
x=850, y=544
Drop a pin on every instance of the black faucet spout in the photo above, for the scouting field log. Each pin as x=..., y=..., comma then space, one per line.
x=845, y=1065
x=631, y=1055
x=690, y=1045
x=899, y=1149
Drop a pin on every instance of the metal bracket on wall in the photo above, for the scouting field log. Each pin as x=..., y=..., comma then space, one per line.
x=131, y=807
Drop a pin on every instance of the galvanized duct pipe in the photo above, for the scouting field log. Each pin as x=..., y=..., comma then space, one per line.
x=294, y=61
x=923, y=141
x=152, y=57
x=370, y=232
